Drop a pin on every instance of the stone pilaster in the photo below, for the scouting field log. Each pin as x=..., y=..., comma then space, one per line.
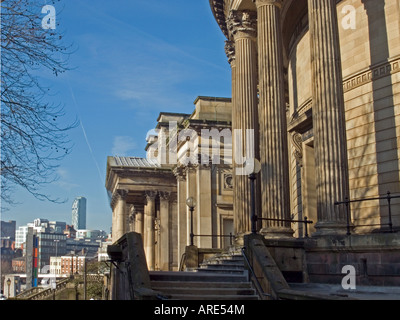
x=149, y=232
x=328, y=117
x=275, y=196
x=242, y=27
x=165, y=230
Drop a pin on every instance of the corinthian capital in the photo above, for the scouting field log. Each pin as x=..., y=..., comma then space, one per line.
x=151, y=195
x=119, y=194
x=260, y=3
x=242, y=23
x=230, y=50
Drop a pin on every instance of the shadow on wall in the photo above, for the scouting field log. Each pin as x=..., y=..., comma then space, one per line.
x=383, y=106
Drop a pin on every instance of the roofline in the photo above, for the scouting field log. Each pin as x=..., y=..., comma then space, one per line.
x=171, y=114
x=207, y=98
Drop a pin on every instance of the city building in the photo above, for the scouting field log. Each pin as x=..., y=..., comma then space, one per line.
x=20, y=235
x=79, y=213
x=77, y=245
x=102, y=254
x=19, y=265
x=72, y=263
x=7, y=230
x=55, y=265
x=91, y=234
x=70, y=232
x=314, y=121
x=50, y=244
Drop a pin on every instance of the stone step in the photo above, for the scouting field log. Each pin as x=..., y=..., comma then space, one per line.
x=200, y=284
x=220, y=266
x=197, y=276
x=222, y=277
x=213, y=269
x=208, y=289
x=224, y=260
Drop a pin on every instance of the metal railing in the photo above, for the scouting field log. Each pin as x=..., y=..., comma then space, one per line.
x=230, y=236
x=347, y=202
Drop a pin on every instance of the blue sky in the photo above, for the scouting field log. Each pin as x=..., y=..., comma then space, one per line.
x=133, y=60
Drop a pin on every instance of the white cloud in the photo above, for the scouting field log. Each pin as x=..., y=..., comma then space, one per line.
x=122, y=146
x=64, y=181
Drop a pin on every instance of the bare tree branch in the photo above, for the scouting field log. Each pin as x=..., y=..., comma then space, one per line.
x=32, y=139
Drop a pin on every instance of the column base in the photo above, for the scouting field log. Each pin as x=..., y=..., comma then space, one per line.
x=329, y=228
x=277, y=232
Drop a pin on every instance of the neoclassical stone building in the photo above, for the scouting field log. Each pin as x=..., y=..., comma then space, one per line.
x=319, y=83
x=148, y=195
x=319, y=80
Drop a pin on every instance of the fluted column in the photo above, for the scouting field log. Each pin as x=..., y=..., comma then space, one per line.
x=275, y=200
x=328, y=117
x=139, y=217
x=131, y=218
x=242, y=25
x=149, y=232
x=165, y=230
x=119, y=227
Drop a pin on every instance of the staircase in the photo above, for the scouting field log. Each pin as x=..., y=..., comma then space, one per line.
x=222, y=277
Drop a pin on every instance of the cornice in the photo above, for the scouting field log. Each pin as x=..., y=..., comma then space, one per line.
x=217, y=8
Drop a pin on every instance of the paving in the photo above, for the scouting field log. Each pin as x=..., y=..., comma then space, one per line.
x=360, y=293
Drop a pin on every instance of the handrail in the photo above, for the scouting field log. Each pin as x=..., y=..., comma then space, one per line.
x=48, y=291
x=347, y=202
x=258, y=285
x=230, y=236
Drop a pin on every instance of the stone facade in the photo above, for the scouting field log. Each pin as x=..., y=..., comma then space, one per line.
x=335, y=66
x=318, y=82
x=149, y=195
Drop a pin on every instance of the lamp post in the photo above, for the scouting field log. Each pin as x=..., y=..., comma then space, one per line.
x=16, y=286
x=256, y=167
x=191, y=203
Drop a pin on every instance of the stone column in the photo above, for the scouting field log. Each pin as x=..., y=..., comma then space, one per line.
x=275, y=198
x=139, y=217
x=242, y=26
x=182, y=208
x=119, y=227
x=149, y=233
x=328, y=117
x=164, y=231
x=131, y=218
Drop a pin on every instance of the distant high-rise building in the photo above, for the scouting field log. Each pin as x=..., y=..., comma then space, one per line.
x=79, y=213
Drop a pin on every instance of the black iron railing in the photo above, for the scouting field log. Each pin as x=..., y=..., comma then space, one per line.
x=388, y=198
x=230, y=236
